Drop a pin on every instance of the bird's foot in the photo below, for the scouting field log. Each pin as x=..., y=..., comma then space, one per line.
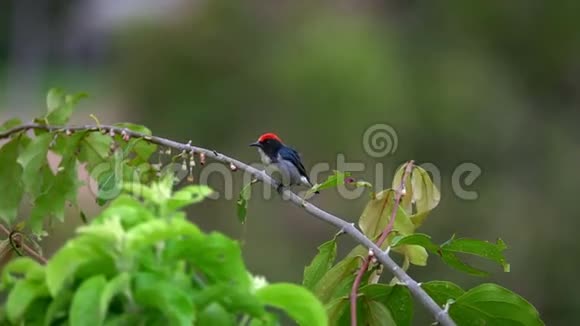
x=280, y=189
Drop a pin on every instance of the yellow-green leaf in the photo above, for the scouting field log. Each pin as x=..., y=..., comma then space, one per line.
x=296, y=301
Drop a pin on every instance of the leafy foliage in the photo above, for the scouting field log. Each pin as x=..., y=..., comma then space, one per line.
x=391, y=304
x=140, y=261
x=144, y=262
x=25, y=172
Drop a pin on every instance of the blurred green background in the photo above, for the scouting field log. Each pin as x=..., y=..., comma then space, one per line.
x=492, y=83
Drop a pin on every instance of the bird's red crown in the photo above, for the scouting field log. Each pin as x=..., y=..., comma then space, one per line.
x=269, y=135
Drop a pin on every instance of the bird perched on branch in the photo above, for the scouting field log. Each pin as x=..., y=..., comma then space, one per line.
x=283, y=163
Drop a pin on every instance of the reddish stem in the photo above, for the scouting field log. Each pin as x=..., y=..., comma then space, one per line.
x=384, y=234
x=354, y=290
x=398, y=196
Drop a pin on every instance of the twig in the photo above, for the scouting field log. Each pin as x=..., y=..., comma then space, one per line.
x=16, y=239
x=398, y=195
x=361, y=272
x=440, y=315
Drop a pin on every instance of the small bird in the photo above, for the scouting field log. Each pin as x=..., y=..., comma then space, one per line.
x=283, y=162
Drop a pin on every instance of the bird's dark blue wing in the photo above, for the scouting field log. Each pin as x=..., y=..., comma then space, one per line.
x=292, y=155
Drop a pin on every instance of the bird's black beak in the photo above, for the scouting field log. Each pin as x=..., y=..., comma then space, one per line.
x=256, y=144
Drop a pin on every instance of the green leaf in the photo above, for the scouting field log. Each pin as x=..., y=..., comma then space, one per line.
x=425, y=194
x=240, y=299
x=321, y=263
x=491, y=304
x=118, y=285
x=58, y=308
x=151, y=232
x=416, y=255
x=108, y=234
x=448, y=250
x=216, y=256
x=65, y=263
x=54, y=99
x=234, y=299
x=362, y=251
x=175, y=302
x=364, y=184
x=86, y=302
x=266, y=320
x=242, y=202
x=109, y=183
x=52, y=202
x=442, y=291
x=377, y=214
x=134, y=127
x=215, y=314
x=452, y=260
x=420, y=239
x=10, y=181
x=376, y=217
x=334, y=180
x=296, y=301
x=187, y=196
x=22, y=296
x=73, y=99
x=142, y=148
x=397, y=299
x=412, y=246
x=110, y=231
x=23, y=266
x=336, y=308
x=484, y=249
x=368, y=312
x=32, y=158
x=419, y=189
x=95, y=150
x=9, y=124
x=131, y=211
x=330, y=282
x=60, y=106
x=124, y=320
x=144, y=191
x=378, y=314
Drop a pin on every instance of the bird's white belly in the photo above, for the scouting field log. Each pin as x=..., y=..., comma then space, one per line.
x=265, y=159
